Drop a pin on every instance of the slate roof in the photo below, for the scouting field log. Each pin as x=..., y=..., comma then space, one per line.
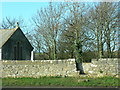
x=5, y=34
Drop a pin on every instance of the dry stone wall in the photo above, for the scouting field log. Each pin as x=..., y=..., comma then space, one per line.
x=63, y=68
x=39, y=68
x=106, y=66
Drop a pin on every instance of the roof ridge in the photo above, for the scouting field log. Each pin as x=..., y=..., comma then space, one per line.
x=11, y=29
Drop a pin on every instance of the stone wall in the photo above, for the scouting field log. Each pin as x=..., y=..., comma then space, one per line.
x=39, y=68
x=106, y=66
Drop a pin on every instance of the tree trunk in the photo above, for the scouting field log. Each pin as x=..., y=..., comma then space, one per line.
x=72, y=54
x=109, y=50
x=54, y=50
x=49, y=53
x=97, y=43
x=78, y=57
x=101, y=46
x=108, y=45
x=78, y=54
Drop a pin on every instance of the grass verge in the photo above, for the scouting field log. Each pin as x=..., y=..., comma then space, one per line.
x=63, y=81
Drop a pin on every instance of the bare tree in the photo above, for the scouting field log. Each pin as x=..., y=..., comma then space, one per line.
x=110, y=26
x=66, y=44
x=103, y=23
x=48, y=23
x=76, y=22
x=9, y=23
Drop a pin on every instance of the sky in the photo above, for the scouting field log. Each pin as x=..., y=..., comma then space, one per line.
x=25, y=9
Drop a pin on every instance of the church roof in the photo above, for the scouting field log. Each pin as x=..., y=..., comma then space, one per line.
x=5, y=34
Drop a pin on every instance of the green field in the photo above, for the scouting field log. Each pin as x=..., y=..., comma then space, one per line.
x=62, y=81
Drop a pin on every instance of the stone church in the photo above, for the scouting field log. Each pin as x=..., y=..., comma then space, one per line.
x=14, y=45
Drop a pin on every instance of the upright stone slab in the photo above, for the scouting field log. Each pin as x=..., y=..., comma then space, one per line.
x=0, y=54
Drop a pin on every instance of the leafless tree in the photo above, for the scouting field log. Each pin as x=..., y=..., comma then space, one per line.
x=103, y=23
x=48, y=23
x=9, y=23
x=76, y=22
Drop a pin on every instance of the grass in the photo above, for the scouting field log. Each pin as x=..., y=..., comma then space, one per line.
x=63, y=81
